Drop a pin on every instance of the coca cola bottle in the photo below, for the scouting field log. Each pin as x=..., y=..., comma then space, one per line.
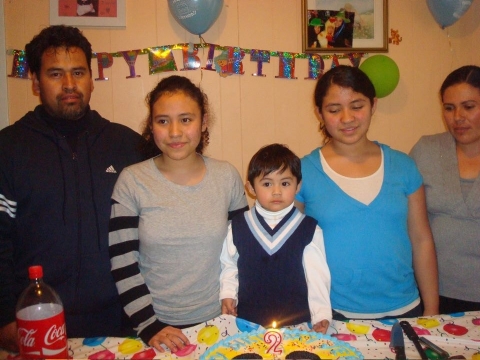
x=40, y=320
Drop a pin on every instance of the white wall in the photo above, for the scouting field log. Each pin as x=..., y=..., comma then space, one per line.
x=252, y=111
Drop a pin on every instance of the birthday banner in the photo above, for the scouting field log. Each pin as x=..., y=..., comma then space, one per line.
x=225, y=60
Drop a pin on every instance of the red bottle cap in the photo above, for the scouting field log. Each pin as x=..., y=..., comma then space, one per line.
x=35, y=272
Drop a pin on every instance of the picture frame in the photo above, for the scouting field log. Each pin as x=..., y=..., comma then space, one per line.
x=347, y=26
x=94, y=13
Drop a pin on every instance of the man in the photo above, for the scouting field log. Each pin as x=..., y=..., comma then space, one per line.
x=58, y=166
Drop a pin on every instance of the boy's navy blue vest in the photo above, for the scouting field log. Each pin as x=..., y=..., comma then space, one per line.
x=272, y=287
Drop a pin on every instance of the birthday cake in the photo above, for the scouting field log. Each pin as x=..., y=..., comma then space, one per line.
x=281, y=344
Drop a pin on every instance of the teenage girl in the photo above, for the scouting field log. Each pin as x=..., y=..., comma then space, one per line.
x=370, y=203
x=169, y=219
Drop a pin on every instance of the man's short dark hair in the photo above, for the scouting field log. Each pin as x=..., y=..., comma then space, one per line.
x=54, y=37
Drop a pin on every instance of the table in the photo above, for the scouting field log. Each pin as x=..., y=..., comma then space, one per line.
x=458, y=334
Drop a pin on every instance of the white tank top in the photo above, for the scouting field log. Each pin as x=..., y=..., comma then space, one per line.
x=364, y=189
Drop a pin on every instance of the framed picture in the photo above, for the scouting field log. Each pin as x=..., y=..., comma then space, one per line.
x=344, y=26
x=95, y=13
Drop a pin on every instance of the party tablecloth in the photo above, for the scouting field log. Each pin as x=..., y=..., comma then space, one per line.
x=458, y=334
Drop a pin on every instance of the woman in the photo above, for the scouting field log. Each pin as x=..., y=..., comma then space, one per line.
x=450, y=165
x=369, y=201
x=169, y=218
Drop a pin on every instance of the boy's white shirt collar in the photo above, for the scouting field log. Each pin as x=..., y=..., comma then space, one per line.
x=272, y=217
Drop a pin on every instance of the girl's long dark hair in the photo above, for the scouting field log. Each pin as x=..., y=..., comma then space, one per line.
x=170, y=85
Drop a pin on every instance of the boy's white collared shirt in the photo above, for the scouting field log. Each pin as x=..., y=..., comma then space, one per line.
x=317, y=273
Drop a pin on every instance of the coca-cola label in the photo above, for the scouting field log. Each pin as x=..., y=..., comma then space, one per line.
x=43, y=338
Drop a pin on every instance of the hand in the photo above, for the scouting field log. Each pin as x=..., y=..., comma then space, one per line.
x=8, y=337
x=431, y=311
x=321, y=326
x=228, y=307
x=173, y=338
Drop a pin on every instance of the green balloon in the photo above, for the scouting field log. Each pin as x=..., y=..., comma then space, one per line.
x=383, y=73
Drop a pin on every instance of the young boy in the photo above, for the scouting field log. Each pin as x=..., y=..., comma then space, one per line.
x=273, y=258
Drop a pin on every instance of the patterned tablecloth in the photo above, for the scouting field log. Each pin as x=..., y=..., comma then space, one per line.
x=458, y=334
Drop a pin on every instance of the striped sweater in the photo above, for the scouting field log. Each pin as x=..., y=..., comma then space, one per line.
x=165, y=243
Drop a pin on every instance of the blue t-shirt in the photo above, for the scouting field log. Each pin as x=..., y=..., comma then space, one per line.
x=367, y=246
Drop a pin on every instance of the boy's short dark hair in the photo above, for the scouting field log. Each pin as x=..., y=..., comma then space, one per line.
x=274, y=157
x=54, y=37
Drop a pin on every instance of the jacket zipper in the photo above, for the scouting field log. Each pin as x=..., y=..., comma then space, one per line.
x=79, y=229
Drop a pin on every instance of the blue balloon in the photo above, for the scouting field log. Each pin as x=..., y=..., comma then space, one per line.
x=245, y=326
x=446, y=12
x=388, y=321
x=94, y=341
x=195, y=15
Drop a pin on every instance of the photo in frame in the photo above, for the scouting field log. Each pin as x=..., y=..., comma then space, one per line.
x=93, y=13
x=344, y=26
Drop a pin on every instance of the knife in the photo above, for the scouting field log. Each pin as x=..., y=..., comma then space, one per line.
x=441, y=353
x=412, y=335
x=396, y=342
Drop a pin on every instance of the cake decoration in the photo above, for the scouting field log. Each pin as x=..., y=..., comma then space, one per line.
x=273, y=337
x=281, y=344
